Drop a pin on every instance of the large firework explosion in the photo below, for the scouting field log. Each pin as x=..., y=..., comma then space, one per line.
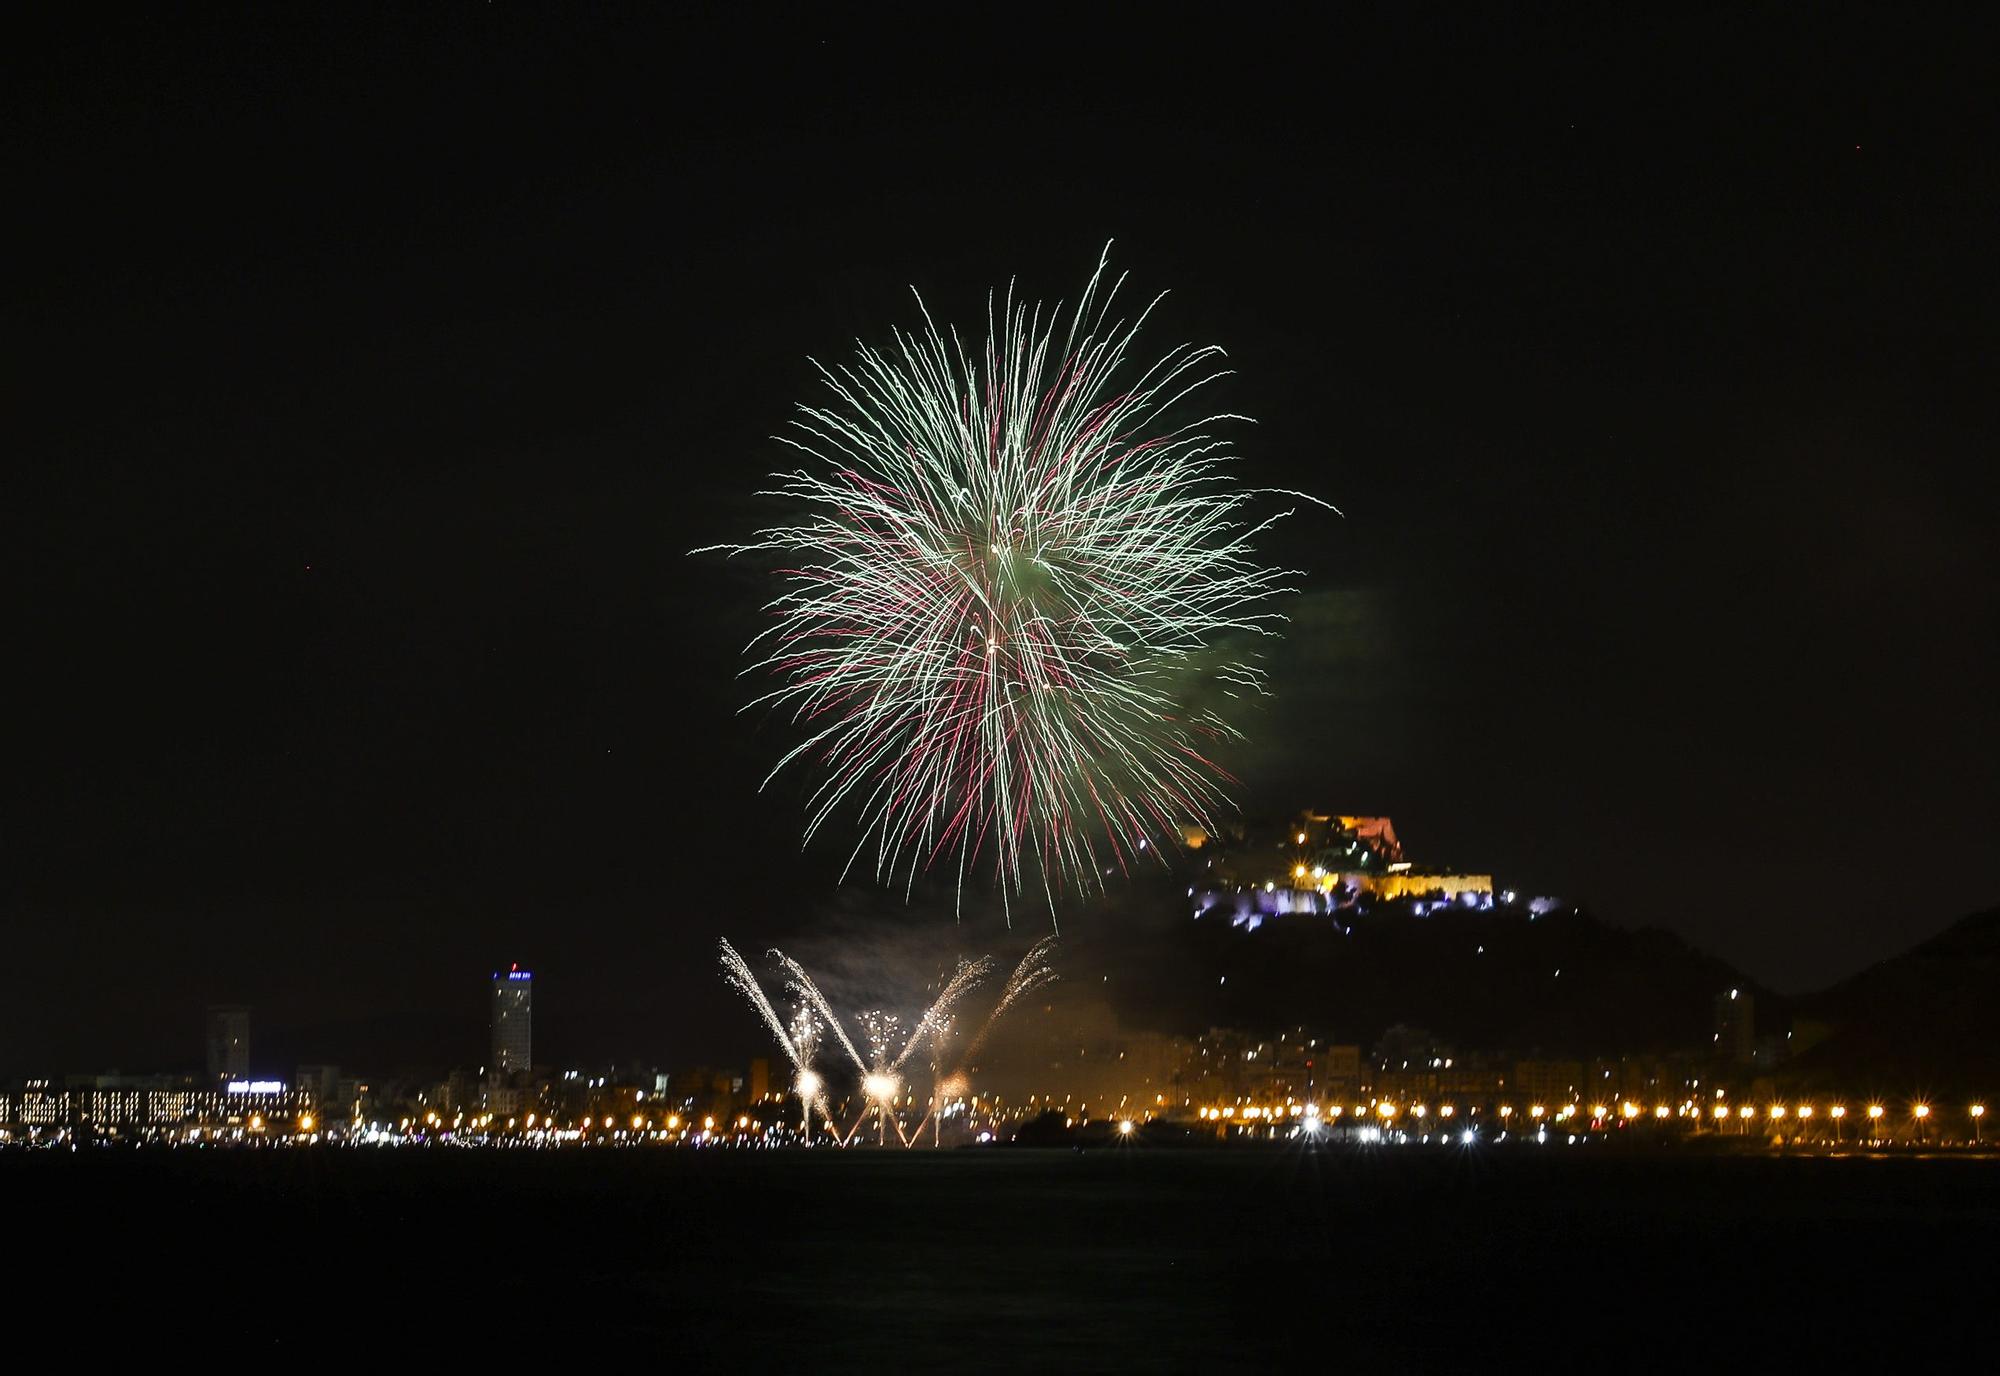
x=1015, y=585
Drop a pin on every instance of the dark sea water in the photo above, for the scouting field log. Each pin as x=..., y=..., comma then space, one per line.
x=1128, y=1259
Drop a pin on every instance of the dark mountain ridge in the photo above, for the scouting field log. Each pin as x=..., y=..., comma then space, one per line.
x=1927, y=1020
x=1505, y=980
x=1561, y=983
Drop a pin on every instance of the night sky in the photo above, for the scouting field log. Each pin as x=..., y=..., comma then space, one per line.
x=369, y=378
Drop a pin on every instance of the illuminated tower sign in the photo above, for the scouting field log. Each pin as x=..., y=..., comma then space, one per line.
x=513, y=1022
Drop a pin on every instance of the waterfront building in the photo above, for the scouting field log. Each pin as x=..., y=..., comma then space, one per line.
x=228, y=1043
x=1736, y=1027
x=320, y=1082
x=512, y=1017
x=147, y=1105
x=1548, y=1082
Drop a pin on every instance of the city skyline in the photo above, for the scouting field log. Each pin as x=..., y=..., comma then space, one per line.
x=1229, y=1083
x=1236, y=894
x=1745, y=1082
x=1918, y=1018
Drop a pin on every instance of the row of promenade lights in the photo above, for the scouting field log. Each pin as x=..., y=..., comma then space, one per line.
x=640, y=1123
x=1920, y=1113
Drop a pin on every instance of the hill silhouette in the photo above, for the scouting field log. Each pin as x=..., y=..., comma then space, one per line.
x=1928, y=1019
x=1560, y=983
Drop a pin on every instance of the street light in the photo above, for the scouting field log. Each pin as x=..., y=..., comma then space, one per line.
x=1977, y=1111
x=1875, y=1122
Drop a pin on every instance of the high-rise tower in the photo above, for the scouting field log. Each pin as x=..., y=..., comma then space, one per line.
x=1735, y=1027
x=513, y=1022
x=228, y=1043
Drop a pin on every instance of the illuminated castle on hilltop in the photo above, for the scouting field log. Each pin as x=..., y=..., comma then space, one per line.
x=1319, y=863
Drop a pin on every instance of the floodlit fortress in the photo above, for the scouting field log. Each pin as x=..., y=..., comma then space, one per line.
x=1319, y=863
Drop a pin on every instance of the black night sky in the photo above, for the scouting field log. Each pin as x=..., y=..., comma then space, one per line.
x=369, y=377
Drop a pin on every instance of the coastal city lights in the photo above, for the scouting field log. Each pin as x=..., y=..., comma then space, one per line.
x=42, y=1122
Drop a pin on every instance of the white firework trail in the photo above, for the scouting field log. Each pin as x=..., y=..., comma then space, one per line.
x=736, y=971
x=798, y=1042
x=937, y=1018
x=802, y=985
x=1031, y=974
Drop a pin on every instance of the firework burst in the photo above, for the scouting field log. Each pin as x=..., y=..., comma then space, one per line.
x=1012, y=579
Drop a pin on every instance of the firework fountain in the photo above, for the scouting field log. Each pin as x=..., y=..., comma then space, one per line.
x=881, y=1084
x=1031, y=974
x=798, y=1042
x=881, y=1073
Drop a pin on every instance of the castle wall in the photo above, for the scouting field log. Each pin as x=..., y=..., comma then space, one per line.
x=1251, y=905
